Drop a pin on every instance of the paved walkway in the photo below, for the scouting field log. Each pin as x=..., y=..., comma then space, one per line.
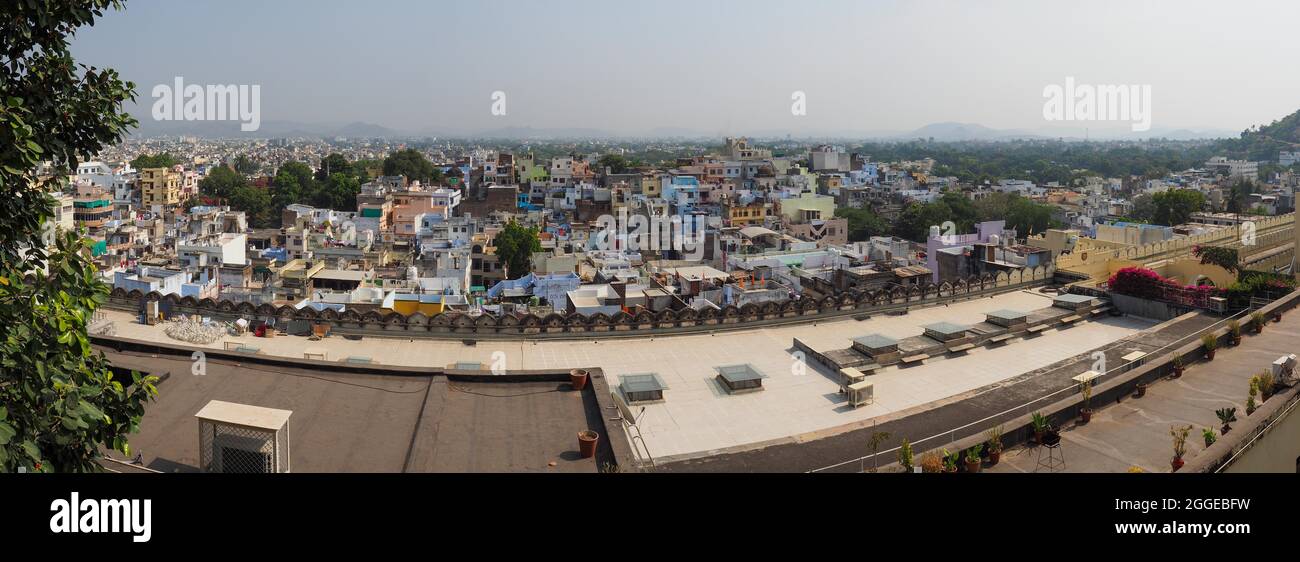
x=1136, y=431
x=698, y=417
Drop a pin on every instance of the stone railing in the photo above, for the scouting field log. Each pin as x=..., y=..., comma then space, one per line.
x=461, y=325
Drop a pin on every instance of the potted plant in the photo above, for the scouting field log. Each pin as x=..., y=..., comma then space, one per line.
x=1208, y=435
x=1085, y=412
x=931, y=463
x=877, y=438
x=1266, y=383
x=1234, y=332
x=1226, y=416
x=1140, y=389
x=1180, y=445
x=1041, y=424
x=994, y=443
x=578, y=378
x=1250, y=400
x=1257, y=321
x=587, y=443
x=905, y=455
x=950, y=460
x=1210, y=343
x=973, y=461
x=1179, y=366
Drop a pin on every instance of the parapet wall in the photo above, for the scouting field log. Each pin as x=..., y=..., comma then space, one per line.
x=459, y=325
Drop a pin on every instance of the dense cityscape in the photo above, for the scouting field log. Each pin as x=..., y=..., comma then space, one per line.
x=436, y=247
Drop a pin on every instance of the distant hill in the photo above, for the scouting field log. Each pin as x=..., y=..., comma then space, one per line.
x=267, y=129
x=951, y=131
x=1263, y=143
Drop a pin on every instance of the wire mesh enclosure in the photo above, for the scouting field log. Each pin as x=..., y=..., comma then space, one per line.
x=243, y=439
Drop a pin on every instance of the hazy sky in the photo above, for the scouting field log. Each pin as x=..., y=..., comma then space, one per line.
x=710, y=65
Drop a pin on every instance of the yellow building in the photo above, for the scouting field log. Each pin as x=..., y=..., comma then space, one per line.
x=808, y=207
x=745, y=215
x=410, y=303
x=160, y=186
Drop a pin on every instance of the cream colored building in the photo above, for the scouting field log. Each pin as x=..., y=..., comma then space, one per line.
x=160, y=186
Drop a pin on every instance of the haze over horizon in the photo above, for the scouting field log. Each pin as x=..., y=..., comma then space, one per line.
x=721, y=67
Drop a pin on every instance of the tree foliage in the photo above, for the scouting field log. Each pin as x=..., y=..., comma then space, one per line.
x=221, y=183
x=163, y=160
x=60, y=402
x=412, y=164
x=1176, y=206
x=863, y=223
x=514, y=247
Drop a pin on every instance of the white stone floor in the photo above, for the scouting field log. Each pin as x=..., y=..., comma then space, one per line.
x=697, y=416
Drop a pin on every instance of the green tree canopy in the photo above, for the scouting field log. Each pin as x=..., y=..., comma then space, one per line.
x=60, y=402
x=515, y=246
x=256, y=205
x=863, y=223
x=410, y=163
x=246, y=165
x=163, y=160
x=221, y=183
x=1176, y=206
x=616, y=163
x=335, y=163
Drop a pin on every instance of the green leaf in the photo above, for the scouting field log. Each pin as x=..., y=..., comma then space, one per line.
x=7, y=432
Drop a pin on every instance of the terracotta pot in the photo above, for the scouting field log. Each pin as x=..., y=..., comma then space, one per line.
x=1178, y=371
x=995, y=457
x=972, y=466
x=1176, y=464
x=578, y=378
x=587, y=443
x=1236, y=340
x=1259, y=328
x=1225, y=429
x=1038, y=436
x=1141, y=390
x=1209, y=355
x=1085, y=415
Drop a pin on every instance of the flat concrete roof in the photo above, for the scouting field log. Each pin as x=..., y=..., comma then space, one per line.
x=351, y=422
x=694, y=419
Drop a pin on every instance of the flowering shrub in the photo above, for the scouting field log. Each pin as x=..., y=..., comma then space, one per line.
x=1147, y=284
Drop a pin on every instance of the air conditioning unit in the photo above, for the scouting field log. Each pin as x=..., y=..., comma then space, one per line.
x=240, y=438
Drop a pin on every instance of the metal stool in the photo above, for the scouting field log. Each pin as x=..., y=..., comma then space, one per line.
x=1055, y=456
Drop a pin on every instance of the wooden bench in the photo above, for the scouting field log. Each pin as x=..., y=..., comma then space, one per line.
x=248, y=349
x=1100, y=310
x=915, y=358
x=1001, y=338
x=358, y=360
x=314, y=354
x=1071, y=319
x=1038, y=328
x=961, y=348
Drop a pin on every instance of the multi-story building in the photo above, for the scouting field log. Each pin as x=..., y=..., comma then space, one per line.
x=159, y=187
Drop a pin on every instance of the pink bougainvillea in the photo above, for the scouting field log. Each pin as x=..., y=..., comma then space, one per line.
x=1147, y=284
